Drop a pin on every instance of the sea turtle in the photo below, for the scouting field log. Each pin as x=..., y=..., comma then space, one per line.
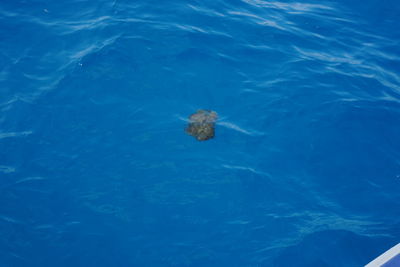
x=201, y=124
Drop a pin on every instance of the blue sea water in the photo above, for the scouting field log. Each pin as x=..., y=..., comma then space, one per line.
x=95, y=166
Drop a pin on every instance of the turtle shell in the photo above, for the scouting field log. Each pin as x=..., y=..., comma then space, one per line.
x=202, y=124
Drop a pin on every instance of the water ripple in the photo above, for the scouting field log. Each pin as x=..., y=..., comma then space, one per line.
x=14, y=134
x=239, y=129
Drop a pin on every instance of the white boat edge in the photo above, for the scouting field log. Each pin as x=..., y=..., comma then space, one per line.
x=385, y=257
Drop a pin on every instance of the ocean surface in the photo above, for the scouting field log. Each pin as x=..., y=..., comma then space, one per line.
x=96, y=168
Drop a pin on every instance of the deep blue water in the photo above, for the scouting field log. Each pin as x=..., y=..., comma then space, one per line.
x=95, y=166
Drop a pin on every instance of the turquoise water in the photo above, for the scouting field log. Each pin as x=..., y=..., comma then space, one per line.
x=95, y=166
